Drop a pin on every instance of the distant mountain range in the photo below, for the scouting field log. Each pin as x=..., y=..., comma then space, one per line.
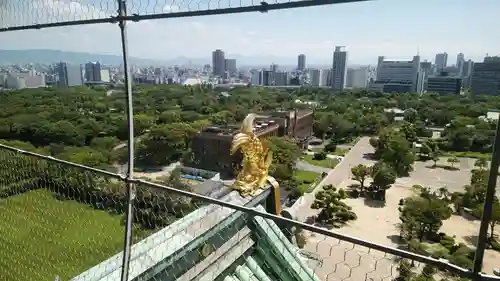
x=53, y=56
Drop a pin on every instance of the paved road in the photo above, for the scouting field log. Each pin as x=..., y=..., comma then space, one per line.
x=304, y=166
x=341, y=146
x=338, y=175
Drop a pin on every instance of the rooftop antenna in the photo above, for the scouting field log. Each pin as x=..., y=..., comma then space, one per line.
x=418, y=49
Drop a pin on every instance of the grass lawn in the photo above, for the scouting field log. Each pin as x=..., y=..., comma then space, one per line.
x=338, y=151
x=42, y=237
x=327, y=163
x=468, y=154
x=307, y=178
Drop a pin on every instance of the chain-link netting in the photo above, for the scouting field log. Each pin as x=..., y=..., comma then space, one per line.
x=191, y=240
x=56, y=221
x=15, y=13
x=70, y=223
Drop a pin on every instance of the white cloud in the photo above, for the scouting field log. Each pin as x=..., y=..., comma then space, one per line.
x=171, y=8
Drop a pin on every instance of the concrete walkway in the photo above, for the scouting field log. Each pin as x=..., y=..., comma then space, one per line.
x=304, y=166
x=336, y=176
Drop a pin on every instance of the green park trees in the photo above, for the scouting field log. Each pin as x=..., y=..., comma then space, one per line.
x=481, y=163
x=285, y=154
x=333, y=210
x=164, y=144
x=421, y=217
x=495, y=219
x=392, y=148
x=453, y=160
x=360, y=173
x=383, y=177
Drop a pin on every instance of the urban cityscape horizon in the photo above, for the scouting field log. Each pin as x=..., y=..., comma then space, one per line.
x=249, y=141
x=443, y=74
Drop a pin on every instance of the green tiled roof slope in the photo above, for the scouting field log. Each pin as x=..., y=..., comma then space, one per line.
x=273, y=258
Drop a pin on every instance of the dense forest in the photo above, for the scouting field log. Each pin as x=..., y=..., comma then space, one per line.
x=85, y=124
x=89, y=126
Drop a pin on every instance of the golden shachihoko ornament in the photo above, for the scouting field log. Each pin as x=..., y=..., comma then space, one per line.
x=257, y=159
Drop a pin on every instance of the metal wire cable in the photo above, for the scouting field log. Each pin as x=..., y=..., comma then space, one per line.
x=15, y=16
x=163, y=189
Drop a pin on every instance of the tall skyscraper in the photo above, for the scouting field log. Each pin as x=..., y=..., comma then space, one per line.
x=301, y=63
x=441, y=61
x=315, y=76
x=69, y=75
x=326, y=77
x=339, y=68
x=230, y=66
x=467, y=68
x=93, y=72
x=218, y=62
x=460, y=63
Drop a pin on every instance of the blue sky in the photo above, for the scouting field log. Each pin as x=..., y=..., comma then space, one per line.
x=394, y=28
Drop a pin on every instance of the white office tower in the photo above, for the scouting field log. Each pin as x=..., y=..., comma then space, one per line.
x=339, y=68
x=315, y=77
x=357, y=77
x=326, y=77
x=402, y=76
x=441, y=61
x=105, y=75
x=460, y=63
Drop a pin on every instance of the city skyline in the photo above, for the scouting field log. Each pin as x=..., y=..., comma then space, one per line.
x=427, y=27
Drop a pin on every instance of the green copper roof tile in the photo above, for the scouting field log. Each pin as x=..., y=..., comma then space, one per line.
x=244, y=274
x=227, y=258
x=286, y=252
x=256, y=269
x=230, y=278
x=266, y=256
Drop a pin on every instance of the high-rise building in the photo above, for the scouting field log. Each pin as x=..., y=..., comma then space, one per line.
x=357, y=77
x=273, y=67
x=315, y=77
x=301, y=63
x=467, y=68
x=339, y=68
x=399, y=76
x=326, y=77
x=69, y=75
x=218, y=62
x=460, y=63
x=106, y=76
x=441, y=61
x=486, y=77
x=93, y=72
x=230, y=66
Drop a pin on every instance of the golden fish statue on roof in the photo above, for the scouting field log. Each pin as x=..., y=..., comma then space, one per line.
x=257, y=159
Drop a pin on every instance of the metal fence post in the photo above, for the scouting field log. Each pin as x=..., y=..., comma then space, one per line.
x=488, y=205
x=122, y=12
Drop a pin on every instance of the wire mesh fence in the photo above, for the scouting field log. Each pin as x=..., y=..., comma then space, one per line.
x=56, y=221
x=70, y=221
x=19, y=15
